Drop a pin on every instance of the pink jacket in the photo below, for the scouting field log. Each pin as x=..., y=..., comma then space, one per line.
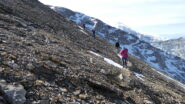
x=124, y=53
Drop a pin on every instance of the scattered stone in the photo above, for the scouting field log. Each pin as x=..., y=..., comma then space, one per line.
x=3, y=53
x=30, y=66
x=12, y=64
x=78, y=100
x=2, y=100
x=120, y=76
x=83, y=96
x=44, y=55
x=44, y=102
x=102, y=71
x=98, y=101
x=12, y=56
x=55, y=59
x=30, y=77
x=148, y=102
x=77, y=92
x=1, y=60
x=1, y=69
x=88, y=70
x=91, y=61
x=39, y=82
x=73, y=103
x=99, y=97
x=63, y=89
x=15, y=94
x=50, y=64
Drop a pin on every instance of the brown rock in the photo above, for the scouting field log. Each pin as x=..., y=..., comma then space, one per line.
x=83, y=96
x=77, y=92
x=12, y=56
x=30, y=66
x=63, y=89
x=3, y=53
x=39, y=82
x=55, y=59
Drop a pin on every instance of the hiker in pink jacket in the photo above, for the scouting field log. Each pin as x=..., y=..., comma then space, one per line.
x=124, y=56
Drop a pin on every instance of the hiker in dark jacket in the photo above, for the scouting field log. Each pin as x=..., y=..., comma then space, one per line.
x=94, y=33
x=84, y=26
x=117, y=45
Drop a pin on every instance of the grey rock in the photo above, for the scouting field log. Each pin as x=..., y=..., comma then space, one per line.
x=77, y=92
x=2, y=100
x=15, y=94
x=63, y=89
x=83, y=96
x=1, y=69
x=30, y=66
x=73, y=103
x=12, y=64
x=1, y=59
x=44, y=102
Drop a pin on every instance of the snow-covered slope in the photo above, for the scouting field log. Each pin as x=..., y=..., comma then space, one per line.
x=144, y=37
x=135, y=42
x=173, y=46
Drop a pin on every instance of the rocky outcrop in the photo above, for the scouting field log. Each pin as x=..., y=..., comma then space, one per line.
x=14, y=94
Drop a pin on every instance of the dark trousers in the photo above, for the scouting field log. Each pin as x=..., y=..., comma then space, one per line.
x=124, y=59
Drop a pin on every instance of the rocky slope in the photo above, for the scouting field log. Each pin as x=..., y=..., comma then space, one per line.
x=138, y=45
x=47, y=59
x=173, y=46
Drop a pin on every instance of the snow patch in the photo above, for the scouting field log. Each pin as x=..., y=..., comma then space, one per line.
x=95, y=53
x=109, y=61
x=149, y=52
x=90, y=27
x=101, y=34
x=112, y=30
x=95, y=22
x=112, y=41
x=140, y=76
x=113, y=63
x=83, y=32
x=152, y=58
x=52, y=7
x=80, y=27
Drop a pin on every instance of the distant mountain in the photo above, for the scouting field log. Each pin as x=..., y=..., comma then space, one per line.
x=138, y=44
x=80, y=18
x=144, y=37
x=172, y=46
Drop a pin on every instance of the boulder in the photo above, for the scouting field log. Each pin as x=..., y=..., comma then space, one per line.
x=14, y=94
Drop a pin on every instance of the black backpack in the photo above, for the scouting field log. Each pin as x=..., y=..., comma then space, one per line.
x=117, y=44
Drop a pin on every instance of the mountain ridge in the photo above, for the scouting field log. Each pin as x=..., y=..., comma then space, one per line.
x=172, y=46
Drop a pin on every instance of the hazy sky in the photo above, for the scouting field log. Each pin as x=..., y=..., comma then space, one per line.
x=164, y=18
